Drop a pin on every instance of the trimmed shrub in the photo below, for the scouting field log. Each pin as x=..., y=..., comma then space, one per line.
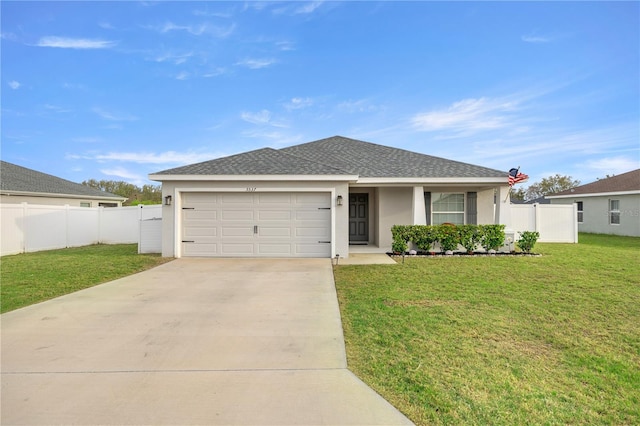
x=424, y=236
x=401, y=237
x=492, y=236
x=469, y=236
x=527, y=240
x=448, y=237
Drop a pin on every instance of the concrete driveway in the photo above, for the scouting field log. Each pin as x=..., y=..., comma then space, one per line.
x=193, y=341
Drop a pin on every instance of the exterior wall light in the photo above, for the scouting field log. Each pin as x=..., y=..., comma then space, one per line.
x=339, y=200
x=167, y=200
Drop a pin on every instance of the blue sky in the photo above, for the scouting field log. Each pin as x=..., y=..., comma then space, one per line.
x=118, y=90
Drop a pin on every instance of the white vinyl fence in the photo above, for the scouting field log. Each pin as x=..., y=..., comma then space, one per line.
x=556, y=223
x=30, y=227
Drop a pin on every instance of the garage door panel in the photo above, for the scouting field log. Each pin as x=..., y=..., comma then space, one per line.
x=274, y=249
x=237, y=214
x=319, y=199
x=237, y=249
x=320, y=232
x=321, y=215
x=199, y=214
x=237, y=198
x=274, y=215
x=210, y=249
x=288, y=225
x=313, y=250
x=200, y=231
x=274, y=231
x=274, y=198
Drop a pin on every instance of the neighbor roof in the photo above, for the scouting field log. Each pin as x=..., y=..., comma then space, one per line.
x=626, y=182
x=18, y=179
x=337, y=156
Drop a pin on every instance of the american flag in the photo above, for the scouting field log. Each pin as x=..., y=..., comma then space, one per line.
x=516, y=177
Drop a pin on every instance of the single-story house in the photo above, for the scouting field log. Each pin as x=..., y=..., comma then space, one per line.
x=326, y=198
x=606, y=206
x=22, y=185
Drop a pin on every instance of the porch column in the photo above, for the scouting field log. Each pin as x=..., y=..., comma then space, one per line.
x=503, y=207
x=419, y=212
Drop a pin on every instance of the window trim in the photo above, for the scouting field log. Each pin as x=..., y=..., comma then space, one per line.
x=463, y=213
x=614, y=212
x=580, y=209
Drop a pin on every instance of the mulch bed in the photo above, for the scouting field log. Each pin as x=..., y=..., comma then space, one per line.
x=440, y=255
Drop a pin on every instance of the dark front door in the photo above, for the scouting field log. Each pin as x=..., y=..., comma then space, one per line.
x=358, y=217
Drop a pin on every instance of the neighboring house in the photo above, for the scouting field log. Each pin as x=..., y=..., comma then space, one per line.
x=320, y=199
x=21, y=185
x=606, y=206
x=539, y=200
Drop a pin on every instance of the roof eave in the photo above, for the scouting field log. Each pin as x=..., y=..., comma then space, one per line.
x=435, y=180
x=595, y=194
x=56, y=195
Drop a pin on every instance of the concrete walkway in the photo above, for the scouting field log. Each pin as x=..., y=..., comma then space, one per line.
x=194, y=341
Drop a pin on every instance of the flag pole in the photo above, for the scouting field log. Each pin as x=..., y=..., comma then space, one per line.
x=511, y=187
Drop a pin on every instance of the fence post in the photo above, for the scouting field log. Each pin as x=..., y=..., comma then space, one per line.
x=25, y=214
x=575, y=222
x=66, y=226
x=100, y=209
x=536, y=217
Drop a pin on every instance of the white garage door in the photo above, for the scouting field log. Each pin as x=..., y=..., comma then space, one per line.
x=256, y=224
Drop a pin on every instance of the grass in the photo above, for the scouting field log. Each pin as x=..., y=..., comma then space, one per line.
x=522, y=340
x=35, y=277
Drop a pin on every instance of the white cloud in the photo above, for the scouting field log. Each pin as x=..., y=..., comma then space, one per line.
x=199, y=29
x=613, y=165
x=308, y=7
x=121, y=172
x=167, y=157
x=261, y=118
x=176, y=58
x=360, y=105
x=298, y=103
x=285, y=45
x=56, y=108
x=111, y=116
x=14, y=84
x=182, y=75
x=255, y=64
x=535, y=39
x=467, y=114
x=74, y=43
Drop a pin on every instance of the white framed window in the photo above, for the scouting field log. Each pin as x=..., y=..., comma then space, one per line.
x=447, y=208
x=614, y=212
x=85, y=204
x=580, y=211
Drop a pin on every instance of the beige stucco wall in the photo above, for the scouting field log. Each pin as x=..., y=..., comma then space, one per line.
x=596, y=214
x=53, y=201
x=340, y=244
x=394, y=208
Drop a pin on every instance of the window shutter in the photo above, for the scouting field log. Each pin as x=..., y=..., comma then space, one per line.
x=472, y=208
x=427, y=206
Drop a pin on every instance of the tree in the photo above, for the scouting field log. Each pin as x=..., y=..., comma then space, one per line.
x=550, y=185
x=148, y=194
x=517, y=194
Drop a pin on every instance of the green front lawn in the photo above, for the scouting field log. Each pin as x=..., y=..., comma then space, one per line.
x=34, y=277
x=506, y=340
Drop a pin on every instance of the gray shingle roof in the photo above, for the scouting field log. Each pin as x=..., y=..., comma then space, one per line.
x=265, y=161
x=337, y=156
x=629, y=181
x=21, y=179
x=371, y=160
